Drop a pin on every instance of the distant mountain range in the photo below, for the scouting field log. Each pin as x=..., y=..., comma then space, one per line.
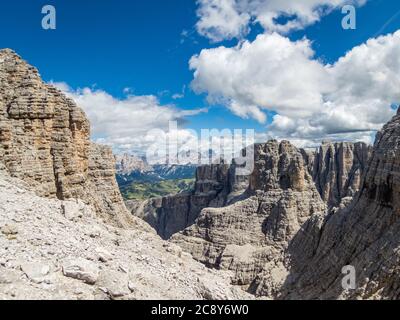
x=130, y=167
x=138, y=180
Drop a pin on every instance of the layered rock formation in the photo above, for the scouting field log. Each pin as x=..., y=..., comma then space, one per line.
x=45, y=141
x=364, y=235
x=247, y=236
x=215, y=186
x=337, y=169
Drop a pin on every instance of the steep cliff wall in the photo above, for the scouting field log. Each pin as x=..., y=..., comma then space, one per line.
x=45, y=141
x=337, y=169
x=364, y=235
x=248, y=235
x=215, y=186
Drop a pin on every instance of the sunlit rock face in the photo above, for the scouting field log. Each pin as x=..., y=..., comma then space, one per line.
x=45, y=141
x=337, y=169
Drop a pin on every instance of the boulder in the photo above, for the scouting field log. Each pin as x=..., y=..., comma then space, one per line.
x=81, y=269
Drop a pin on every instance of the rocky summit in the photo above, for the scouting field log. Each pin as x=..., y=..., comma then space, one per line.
x=337, y=169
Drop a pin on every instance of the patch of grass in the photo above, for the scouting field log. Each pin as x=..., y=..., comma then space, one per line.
x=147, y=190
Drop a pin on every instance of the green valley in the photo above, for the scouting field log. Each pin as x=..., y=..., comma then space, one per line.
x=145, y=190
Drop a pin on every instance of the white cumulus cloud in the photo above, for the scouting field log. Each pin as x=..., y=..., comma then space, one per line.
x=312, y=100
x=227, y=19
x=127, y=124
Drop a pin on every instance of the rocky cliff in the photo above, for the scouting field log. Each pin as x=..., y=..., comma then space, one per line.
x=215, y=186
x=64, y=230
x=337, y=169
x=247, y=236
x=282, y=243
x=126, y=164
x=364, y=235
x=45, y=141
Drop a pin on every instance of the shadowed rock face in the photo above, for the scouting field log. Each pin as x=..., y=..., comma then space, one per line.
x=282, y=243
x=215, y=186
x=45, y=141
x=365, y=235
x=245, y=237
x=337, y=169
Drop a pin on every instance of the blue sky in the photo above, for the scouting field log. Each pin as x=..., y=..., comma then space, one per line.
x=147, y=45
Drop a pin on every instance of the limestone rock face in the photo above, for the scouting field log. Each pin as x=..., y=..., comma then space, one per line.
x=245, y=224
x=45, y=141
x=44, y=137
x=364, y=235
x=103, y=192
x=279, y=166
x=247, y=236
x=337, y=169
x=215, y=186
